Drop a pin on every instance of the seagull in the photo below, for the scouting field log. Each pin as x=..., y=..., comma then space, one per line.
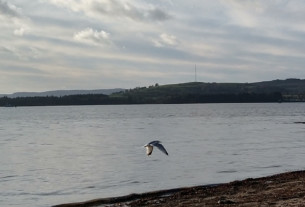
x=150, y=146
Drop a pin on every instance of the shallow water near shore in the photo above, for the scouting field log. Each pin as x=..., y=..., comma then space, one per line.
x=53, y=155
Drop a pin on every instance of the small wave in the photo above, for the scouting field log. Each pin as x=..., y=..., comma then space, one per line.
x=154, y=160
x=135, y=182
x=46, y=144
x=299, y=122
x=23, y=193
x=9, y=176
x=227, y=171
x=270, y=166
x=129, y=182
x=51, y=193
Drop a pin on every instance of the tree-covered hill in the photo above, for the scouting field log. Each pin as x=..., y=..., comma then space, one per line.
x=283, y=86
x=198, y=92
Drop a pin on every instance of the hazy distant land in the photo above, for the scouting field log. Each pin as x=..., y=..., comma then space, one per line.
x=59, y=93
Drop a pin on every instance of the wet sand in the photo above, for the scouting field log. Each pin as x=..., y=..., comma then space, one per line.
x=286, y=189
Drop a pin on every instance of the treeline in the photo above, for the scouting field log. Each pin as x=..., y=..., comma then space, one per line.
x=133, y=98
x=90, y=99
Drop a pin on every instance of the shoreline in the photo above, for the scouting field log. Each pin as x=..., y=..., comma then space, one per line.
x=284, y=189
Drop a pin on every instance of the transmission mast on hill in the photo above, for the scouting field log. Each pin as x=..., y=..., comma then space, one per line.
x=195, y=73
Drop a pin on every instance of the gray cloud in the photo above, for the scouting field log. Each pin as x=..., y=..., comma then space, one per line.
x=9, y=10
x=158, y=14
x=13, y=18
x=116, y=8
x=21, y=53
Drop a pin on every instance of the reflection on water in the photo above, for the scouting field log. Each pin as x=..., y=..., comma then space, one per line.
x=52, y=155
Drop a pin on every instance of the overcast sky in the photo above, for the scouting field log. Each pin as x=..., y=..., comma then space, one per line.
x=93, y=44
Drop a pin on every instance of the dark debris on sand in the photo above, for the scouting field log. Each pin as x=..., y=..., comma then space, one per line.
x=286, y=189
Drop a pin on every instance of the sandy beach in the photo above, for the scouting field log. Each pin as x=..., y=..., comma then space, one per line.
x=286, y=189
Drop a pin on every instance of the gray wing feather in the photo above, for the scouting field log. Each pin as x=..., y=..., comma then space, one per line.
x=154, y=142
x=159, y=146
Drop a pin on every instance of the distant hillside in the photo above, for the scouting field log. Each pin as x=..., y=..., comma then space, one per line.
x=59, y=93
x=198, y=92
x=288, y=86
x=290, y=90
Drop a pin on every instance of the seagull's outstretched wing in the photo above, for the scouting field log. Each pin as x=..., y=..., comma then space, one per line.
x=159, y=146
x=154, y=142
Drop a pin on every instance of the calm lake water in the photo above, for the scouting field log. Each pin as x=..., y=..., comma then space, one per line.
x=54, y=155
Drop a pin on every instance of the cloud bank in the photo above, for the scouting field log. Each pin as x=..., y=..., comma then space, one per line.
x=89, y=44
x=115, y=9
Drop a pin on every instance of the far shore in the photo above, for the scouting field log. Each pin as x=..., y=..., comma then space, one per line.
x=285, y=189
